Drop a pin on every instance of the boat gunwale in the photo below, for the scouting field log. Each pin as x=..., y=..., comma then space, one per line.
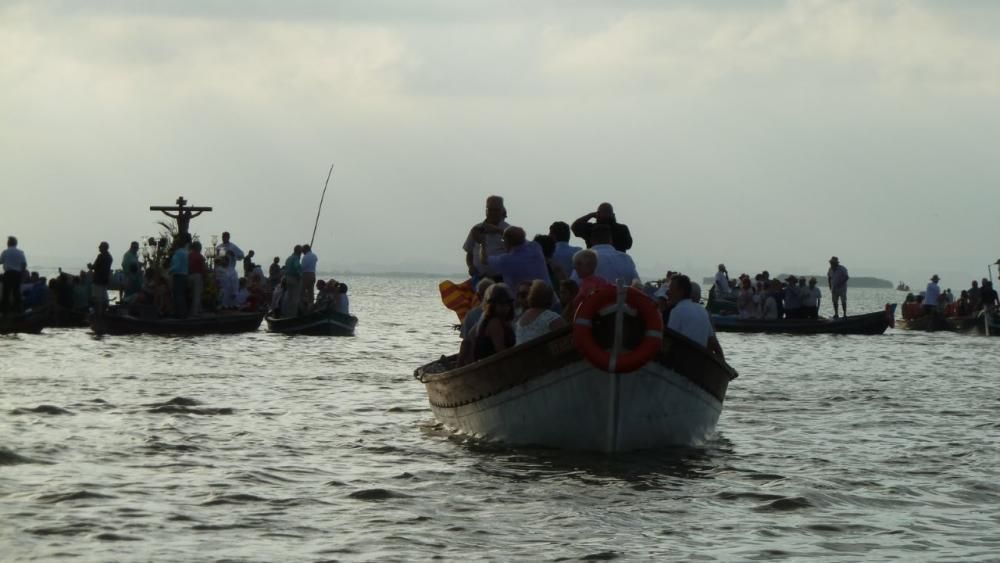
x=565, y=353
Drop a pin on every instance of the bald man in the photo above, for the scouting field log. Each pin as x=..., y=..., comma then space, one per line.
x=605, y=215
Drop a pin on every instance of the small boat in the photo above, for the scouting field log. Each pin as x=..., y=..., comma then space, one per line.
x=724, y=305
x=118, y=322
x=547, y=393
x=323, y=322
x=31, y=321
x=870, y=323
x=902, y=287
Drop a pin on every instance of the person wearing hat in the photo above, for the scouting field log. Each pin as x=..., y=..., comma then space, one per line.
x=102, y=276
x=932, y=295
x=836, y=278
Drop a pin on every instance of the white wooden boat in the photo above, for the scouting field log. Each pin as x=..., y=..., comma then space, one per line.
x=545, y=393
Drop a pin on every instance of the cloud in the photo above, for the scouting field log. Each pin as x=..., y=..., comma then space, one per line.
x=904, y=45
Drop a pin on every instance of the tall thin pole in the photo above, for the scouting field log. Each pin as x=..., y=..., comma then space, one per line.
x=320, y=209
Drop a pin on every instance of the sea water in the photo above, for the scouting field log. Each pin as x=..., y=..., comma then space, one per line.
x=263, y=447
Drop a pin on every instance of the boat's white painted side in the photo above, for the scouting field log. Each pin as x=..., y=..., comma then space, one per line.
x=572, y=408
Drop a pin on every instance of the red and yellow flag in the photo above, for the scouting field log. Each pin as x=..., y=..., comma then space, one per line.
x=459, y=297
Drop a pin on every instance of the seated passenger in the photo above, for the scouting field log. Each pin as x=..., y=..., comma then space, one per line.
x=243, y=295
x=538, y=318
x=472, y=317
x=343, y=303
x=744, y=300
x=494, y=332
x=584, y=265
x=521, y=299
x=567, y=294
x=277, y=297
x=689, y=318
x=769, y=309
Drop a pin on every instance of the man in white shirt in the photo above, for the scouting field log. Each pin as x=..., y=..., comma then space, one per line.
x=15, y=266
x=932, y=295
x=722, y=282
x=689, y=318
x=308, y=261
x=837, y=280
x=491, y=229
x=612, y=264
x=227, y=248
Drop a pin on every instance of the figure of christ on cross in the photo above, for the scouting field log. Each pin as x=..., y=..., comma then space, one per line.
x=184, y=213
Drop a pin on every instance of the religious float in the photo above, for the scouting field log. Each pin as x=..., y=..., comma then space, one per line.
x=614, y=381
x=154, y=317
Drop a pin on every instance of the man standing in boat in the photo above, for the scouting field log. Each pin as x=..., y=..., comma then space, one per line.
x=102, y=276
x=612, y=264
x=228, y=248
x=179, y=269
x=621, y=237
x=489, y=235
x=523, y=261
x=722, y=288
x=15, y=266
x=836, y=278
x=562, y=258
x=292, y=296
x=309, y=260
x=932, y=295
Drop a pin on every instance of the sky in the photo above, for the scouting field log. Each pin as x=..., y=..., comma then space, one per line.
x=766, y=135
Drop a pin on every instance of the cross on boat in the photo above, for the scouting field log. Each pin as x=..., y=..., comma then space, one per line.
x=184, y=213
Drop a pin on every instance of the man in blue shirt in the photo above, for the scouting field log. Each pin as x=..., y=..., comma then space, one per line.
x=523, y=262
x=179, y=275
x=562, y=258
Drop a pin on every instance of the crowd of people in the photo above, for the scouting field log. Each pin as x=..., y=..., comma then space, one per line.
x=934, y=301
x=176, y=279
x=792, y=298
x=527, y=288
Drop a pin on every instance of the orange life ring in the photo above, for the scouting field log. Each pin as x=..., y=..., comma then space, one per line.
x=628, y=360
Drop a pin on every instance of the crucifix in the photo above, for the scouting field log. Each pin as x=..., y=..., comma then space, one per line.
x=184, y=213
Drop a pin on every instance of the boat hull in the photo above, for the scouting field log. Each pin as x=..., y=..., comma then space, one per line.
x=116, y=323
x=317, y=323
x=544, y=393
x=29, y=322
x=870, y=324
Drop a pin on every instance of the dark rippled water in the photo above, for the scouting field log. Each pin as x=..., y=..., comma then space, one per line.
x=268, y=448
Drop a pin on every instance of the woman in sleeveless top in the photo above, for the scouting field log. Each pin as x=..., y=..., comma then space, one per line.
x=494, y=332
x=539, y=318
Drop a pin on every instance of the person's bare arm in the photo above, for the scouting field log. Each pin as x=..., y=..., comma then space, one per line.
x=556, y=324
x=581, y=227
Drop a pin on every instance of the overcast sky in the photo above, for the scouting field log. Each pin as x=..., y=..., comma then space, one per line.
x=760, y=134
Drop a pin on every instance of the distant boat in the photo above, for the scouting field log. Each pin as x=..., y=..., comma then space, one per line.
x=871, y=323
x=323, y=322
x=902, y=287
x=119, y=322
